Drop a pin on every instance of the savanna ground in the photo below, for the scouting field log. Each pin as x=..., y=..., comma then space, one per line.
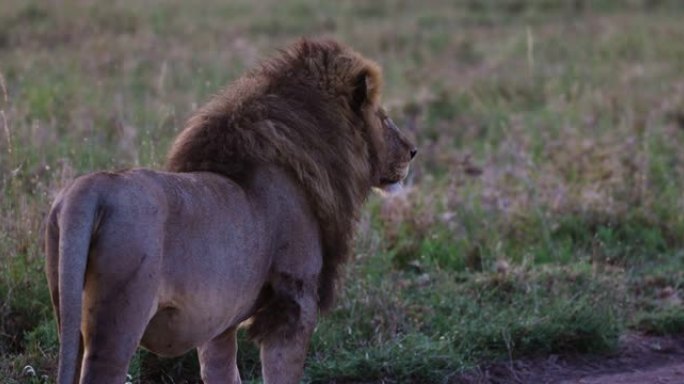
x=544, y=216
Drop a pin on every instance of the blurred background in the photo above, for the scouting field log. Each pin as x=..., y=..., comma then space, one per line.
x=544, y=213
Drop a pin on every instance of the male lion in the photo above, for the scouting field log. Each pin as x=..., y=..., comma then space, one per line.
x=249, y=224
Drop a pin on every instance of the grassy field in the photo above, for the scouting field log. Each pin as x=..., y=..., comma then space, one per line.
x=545, y=212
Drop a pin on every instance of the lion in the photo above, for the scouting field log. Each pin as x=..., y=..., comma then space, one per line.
x=248, y=223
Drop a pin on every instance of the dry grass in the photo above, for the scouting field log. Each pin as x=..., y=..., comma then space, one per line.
x=544, y=213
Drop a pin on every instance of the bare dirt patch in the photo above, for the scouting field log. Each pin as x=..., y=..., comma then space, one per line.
x=640, y=359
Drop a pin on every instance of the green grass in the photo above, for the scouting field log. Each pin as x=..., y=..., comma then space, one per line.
x=544, y=213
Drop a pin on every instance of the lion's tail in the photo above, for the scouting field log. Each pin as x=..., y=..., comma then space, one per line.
x=76, y=221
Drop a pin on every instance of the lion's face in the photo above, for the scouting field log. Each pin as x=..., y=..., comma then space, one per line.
x=398, y=153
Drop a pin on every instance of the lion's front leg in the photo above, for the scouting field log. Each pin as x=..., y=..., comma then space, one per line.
x=282, y=356
x=218, y=359
x=283, y=328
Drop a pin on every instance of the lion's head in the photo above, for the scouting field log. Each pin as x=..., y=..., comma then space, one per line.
x=398, y=153
x=315, y=111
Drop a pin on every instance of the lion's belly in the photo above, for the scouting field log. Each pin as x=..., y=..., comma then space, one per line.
x=169, y=335
x=172, y=331
x=188, y=322
x=190, y=315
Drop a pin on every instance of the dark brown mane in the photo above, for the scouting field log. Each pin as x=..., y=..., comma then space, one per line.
x=297, y=110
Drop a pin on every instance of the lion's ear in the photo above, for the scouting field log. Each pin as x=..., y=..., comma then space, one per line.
x=366, y=88
x=360, y=92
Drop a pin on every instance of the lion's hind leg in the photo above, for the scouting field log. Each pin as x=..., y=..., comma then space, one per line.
x=115, y=315
x=121, y=287
x=218, y=359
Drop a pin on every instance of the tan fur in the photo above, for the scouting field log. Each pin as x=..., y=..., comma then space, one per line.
x=311, y=131
x=252, y=222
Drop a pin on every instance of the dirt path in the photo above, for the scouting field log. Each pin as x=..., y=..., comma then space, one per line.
x=671, y=374
x=639, y=360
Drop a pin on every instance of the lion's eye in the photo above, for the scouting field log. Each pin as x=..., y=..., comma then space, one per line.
x=390, y=124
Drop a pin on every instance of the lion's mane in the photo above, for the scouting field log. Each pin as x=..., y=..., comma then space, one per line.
x=305, y=110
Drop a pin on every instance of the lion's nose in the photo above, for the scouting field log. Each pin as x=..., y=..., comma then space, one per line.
x=413, y=153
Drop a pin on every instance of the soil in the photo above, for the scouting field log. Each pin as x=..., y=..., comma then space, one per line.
x=639, y=360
